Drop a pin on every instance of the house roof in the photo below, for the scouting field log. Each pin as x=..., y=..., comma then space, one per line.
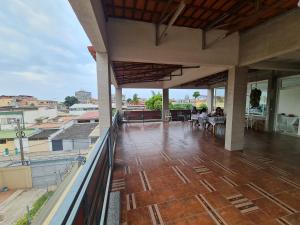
x=11, y=134
x=89, y=116
x=230, y=15
x=77, y=131
x=43, y=134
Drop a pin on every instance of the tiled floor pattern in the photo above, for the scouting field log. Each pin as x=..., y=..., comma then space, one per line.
x=174, y=174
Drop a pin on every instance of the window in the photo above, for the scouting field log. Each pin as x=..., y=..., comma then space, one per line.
x=219, y=97
x=2, y=141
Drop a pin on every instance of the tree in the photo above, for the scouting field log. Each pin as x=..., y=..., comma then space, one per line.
x=135, y=99
x=154, y=102
x=70, y=100
x=129, y=100
x=196, y=94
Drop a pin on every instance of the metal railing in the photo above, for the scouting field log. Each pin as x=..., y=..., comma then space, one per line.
x=87, y=200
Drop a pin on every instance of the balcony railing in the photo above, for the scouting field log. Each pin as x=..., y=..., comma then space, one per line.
x=87, y=200
x=148, y=115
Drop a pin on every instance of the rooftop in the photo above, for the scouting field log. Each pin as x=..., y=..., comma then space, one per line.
x=77, y=131
x=83, y=106
x=43, y=134
x=89, y=116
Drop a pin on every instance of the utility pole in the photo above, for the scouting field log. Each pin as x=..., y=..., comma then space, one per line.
x=20, y=134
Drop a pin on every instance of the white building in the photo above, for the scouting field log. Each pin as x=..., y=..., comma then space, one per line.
x=79, y=109
x=27, y=116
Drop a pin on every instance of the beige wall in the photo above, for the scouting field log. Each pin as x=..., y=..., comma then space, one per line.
x=38, y=146
x=16, y=177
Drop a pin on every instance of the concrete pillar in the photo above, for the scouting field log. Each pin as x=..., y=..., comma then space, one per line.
x=225, y=98
x=104, y=92
x=271, y=103
x=119, y=99
x=165, y=103
x=236, y=103
x=210, y=99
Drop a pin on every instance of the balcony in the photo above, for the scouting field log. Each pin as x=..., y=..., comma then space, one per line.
x=172, y=173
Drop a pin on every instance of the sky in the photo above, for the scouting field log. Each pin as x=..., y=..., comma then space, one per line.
x=43, y=52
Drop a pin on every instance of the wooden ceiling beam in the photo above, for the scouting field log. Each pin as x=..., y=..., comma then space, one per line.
x=174, y=17
x=233, y=10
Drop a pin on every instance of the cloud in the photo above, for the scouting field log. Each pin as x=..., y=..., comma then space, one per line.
x=43, y=50
x=32, y=76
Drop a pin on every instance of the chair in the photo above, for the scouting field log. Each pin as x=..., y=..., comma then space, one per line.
x=168, y=116
x=180, y=116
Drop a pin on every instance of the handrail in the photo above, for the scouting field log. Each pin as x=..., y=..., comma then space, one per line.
x=85, y=192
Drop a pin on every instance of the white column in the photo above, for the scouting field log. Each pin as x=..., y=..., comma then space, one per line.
x=236, y=103
x=119, y=99
x=104, y=92
x=165, y=103
x=210, y=99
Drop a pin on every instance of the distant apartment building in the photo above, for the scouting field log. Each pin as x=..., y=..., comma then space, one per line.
x=83, y=96
x=79, y=109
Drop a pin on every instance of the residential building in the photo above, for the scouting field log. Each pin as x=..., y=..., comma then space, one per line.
x=39, y=141
x=88, y=117
x=9, y=141
x=28, y=116
x=18, y=100
x=83, y=96
x=79, y=109
x=75, y=137
x=56, y=122
x=47, y=103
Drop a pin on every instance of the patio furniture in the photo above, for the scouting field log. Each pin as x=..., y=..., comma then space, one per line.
x=181, y=116
x=168, y=116
x=203, y=120
x=216, y=121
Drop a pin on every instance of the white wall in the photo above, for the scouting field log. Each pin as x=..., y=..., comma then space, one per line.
x=135, y=41
x=289, y=102
x=9, y=121
x=31, y=115
x=78, y=144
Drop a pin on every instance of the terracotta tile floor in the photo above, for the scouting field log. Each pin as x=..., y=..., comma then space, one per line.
x=170, y=173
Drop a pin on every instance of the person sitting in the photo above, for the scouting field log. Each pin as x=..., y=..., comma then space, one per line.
x=203, y=113
x=217, y=112
x=194, y=110
x=202, y=119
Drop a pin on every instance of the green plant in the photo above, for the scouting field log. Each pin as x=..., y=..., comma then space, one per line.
x=37, y=205
x=181, y=106
x=154, y=102
x=203, y=106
